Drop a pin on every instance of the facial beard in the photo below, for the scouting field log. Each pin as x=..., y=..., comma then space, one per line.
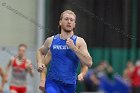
x=68, y=31
x=20, y=56
x=65, y=30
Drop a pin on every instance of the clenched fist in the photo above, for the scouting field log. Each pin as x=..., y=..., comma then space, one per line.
x=71, y=44
x=41, y=67
x=81, y=77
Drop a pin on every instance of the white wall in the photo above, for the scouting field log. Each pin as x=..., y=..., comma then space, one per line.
x=18, y=28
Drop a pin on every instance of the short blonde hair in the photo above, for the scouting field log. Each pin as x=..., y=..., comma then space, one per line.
x=22, y=45
x=67, y=11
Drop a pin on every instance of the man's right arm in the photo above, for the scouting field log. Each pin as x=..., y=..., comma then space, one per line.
x=41, y=52
x=8, y=69
x=9, y=65
x=45, y=61
x=47, y=58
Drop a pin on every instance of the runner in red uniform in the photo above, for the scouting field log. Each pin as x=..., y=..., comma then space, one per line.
x=20, y=67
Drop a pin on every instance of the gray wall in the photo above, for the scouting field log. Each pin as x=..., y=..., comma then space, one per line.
x=18, y=22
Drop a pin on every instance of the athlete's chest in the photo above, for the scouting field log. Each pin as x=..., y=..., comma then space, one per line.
x=19, y=65
x=60, y=48
x=61, y=45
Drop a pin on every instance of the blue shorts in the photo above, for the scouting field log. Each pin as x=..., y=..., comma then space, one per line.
x=54, y=86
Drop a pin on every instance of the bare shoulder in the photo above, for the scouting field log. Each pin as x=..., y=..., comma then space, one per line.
x=28, y=61
x=80, y=41
x=12, y=58
x=44, y=48
x=49, y=41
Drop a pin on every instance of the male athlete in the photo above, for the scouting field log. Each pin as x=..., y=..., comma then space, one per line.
x=20, y=67
x=64, y=51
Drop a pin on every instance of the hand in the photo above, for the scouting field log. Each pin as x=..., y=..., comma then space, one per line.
x=70, y=43
x=41, y=67
x=5, y=78
x=42, y=85
x=81, y=77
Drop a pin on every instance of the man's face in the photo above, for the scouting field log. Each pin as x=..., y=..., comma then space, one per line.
x=68, y=22
x=21, y=51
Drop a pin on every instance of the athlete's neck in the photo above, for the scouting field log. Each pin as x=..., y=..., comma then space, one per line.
x=66, y=35
x=21, y=58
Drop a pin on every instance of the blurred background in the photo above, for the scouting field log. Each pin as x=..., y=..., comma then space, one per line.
x=111, y=29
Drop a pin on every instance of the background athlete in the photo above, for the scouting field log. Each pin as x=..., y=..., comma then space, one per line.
x=20, y=67
x=64, y=51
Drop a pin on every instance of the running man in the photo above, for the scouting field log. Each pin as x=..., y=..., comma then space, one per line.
x=64, y=52
x=20, y=67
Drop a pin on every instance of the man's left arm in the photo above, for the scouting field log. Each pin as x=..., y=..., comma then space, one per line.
x=83, y=72
x=81, y=51
x=30, y=68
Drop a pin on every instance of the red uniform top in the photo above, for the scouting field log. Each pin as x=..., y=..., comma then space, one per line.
x=19, y=73
x=22, y=65
x=135, y=78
